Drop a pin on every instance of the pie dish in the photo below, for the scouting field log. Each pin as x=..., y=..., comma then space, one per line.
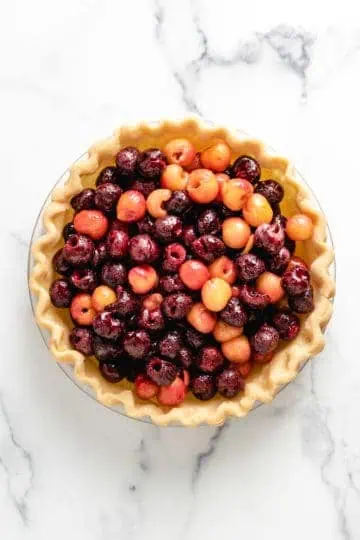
x=264, y=380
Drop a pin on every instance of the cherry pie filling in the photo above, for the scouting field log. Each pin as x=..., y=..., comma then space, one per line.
x=179, y=272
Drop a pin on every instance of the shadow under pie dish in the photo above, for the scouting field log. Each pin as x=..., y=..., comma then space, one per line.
x=252, y=311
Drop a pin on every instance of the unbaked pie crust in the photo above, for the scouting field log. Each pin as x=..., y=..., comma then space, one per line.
x=265, y=381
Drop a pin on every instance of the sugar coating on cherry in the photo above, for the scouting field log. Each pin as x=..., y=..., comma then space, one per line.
x=237, y=350
x=126, y=302
x=279, y=262
x=82, y=340
x=194, y=338
x=180, y=152
x=168, y=229
x=151, y=163
x=253, y=298
x=145, y=389
x=203, y=386
x=113, y=274
x=61, y=293
x=247, y=168
x=287, y=324
x=177, y=305
x=137, y=343
x=126, y=161
x=83, y=200
x=100, y=255
x=81, y=309
x=265, y=340
x=229, y=383
x=68, y=230
x=161, y=371
x=179, y=203
x=170, y=283
x=249, y=267
x=174, y=178
x=108, y=174
x=109, y=325
x=60, y=264
x=208, y=247
x=270, y=237
x=170, y=345
x=78, y=249
x=107, y=196
x=189, y=235
x=146, y=225
x=185, y=357
x=143, y=249
x=174, y=256
x=201, y=318
x=303, y=303
x=202, y=186
x=210, y=359
x=131, y=206
x=92, y=223
x=173, y=394
x=117, y=244
x=111, y=371
x=271, y=190
x=216, y=157
x=84, y=279
x=145, y=187
x=209, y=222
x=234, y=313
x=296, y=280
x=151, y=320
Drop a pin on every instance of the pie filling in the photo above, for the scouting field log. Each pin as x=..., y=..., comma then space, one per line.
x=179, y=271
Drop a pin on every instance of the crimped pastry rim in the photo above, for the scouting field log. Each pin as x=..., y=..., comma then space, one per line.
x=287, y=362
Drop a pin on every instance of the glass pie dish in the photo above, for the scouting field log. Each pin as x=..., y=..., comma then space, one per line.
x=272, y=379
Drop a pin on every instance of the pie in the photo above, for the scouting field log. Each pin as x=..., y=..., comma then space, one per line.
x=184, y=271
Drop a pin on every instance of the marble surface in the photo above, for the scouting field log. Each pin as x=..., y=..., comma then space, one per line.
x=288, y=72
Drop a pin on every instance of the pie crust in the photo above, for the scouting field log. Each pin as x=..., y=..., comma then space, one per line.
x=265, y=381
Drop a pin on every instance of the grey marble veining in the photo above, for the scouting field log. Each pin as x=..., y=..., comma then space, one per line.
x=17, y=463
x=293, y=45
x=331, y=456
x=203, y=457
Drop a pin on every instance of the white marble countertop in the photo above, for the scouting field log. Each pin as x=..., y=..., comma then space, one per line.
x=288, y=72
